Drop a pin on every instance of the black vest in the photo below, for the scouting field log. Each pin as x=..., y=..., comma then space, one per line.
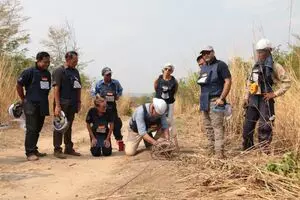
x=150, y=122
x=70, y=87
x=166, y=89
x=262, y=74
x=38, y=90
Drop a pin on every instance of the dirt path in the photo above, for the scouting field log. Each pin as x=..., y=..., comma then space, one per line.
x=191, y=175
x=85, y=177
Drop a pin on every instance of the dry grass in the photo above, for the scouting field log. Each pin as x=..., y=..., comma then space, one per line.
x=125, y=106
x=7, y=88
x=239, y=177
x=287, y=123
x=187, y=95
x=242, y=175
x=86, y=103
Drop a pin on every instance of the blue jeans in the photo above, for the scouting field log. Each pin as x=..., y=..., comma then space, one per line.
x=100, y=149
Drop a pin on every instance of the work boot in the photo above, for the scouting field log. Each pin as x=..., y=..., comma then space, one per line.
x=59, y=154
x=39, y=154
x=121, y=145
x=32, y=157
x=72, y=152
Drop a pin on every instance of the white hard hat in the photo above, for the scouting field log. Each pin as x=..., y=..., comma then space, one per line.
x=160, y=106
x=263, y=43
x=169, y=65
x=60, y=123
x=15, y=110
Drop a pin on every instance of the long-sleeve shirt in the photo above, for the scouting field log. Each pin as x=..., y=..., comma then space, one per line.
x=138, y=117
x=281, y=79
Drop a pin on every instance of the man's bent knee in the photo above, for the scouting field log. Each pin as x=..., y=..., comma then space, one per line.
x=130, y=151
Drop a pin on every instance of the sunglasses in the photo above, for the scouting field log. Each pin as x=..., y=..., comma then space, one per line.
x=107, y=74
x=168, y=69
x=205, y=52
x=261, y=51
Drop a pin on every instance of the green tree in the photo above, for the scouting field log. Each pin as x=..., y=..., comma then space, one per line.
x=61, y=39
x=11, y=34
x=19, y=62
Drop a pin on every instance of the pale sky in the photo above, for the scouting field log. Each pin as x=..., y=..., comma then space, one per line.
x=137, y=37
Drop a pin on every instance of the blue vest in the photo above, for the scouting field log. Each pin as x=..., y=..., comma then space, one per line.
x=70, y=87
x=212, y=86
x=109, y=92
x=38, y=90
x=166, y=89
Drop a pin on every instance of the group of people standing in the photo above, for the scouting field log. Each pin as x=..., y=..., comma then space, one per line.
x=102, y=120
x=37, y=82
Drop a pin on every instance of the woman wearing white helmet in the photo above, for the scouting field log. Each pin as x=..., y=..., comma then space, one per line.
x=147, y=118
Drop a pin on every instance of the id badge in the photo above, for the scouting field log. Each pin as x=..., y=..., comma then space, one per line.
x=203, y=78
x=255, y=74
x=45, y=85
x=110, y=97
x=165, y=95
x=101, y=129
x=165, y=88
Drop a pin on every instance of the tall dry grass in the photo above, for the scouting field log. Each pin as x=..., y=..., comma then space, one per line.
x=187, y=97
x=287, y=123
x=250, y=174
x=125, y=105
x=7, y=88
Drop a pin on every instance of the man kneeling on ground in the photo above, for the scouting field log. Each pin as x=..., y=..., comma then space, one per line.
x=147, y=118
x=100, y=126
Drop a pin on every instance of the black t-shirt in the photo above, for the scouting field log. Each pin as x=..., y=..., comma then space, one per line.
x=58, y=73
x=68, y=81
x=223, y=70
x=99, y=123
